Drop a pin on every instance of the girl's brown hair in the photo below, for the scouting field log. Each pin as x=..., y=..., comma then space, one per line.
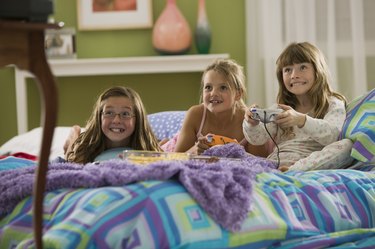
x=91, y=142
x=320, y=92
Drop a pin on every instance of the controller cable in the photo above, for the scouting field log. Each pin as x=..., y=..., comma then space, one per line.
x=273, y=140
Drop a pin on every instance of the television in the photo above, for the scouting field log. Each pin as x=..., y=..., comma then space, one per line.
x=28, y=10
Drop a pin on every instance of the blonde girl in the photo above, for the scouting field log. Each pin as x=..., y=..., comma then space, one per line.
x=221, y=111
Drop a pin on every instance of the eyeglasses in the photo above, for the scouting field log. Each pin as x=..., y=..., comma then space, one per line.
x=122, y=115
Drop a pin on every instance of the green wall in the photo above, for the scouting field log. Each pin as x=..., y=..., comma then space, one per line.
x=160, y=92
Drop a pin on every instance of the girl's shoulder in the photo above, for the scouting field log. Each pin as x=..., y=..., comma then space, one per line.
x=337, y=97
x=336, y=104
x=333, y=100
x=195, y=110
x=194, y=114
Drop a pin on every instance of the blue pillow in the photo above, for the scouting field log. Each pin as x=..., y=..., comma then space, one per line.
x=359, y=126
x=166, y=124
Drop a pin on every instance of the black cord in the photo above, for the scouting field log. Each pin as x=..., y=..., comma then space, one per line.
x=273, y=140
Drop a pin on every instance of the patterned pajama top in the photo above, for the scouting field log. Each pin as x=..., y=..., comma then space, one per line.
x=313, y=136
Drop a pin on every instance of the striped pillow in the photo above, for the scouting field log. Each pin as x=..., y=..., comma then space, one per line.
x=359, y=126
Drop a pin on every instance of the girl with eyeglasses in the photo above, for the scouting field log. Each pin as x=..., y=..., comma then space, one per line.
x=118, y=122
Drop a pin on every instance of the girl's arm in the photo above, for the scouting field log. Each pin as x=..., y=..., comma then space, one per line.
x=73, y=135
x=326, y=131
x=188, y=133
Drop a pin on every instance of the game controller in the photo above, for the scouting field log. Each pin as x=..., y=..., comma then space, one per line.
x=219, y=140
x=265, y=115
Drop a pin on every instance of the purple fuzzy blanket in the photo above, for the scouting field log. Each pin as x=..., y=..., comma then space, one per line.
x=223, y=188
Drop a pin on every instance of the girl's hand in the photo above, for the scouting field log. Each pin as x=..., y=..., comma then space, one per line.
x=249, y=116
x=290, y=117
x=199, y=147
x=202, y=145
x=284, y=168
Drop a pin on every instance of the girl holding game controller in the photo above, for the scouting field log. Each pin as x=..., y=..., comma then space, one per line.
x=312, y=114
x=218, y=119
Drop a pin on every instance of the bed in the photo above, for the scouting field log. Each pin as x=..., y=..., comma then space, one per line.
x=237, y=201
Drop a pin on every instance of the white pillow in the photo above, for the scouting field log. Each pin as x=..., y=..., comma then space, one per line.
x=30, y=142
x=333, y=156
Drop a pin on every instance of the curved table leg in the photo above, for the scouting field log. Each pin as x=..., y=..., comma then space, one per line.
x=47, y=87
x=22, y=44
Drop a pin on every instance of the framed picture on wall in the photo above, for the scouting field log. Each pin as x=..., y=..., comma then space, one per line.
x=114, y=14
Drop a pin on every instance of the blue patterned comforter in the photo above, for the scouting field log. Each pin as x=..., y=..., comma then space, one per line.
x=316, y=209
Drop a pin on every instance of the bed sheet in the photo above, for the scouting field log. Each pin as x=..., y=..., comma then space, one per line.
x=317, y=209
x=30, y=142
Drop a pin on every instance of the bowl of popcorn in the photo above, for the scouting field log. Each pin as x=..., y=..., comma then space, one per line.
x=146, y=157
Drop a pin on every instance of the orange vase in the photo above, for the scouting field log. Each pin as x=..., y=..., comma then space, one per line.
x=171, y=34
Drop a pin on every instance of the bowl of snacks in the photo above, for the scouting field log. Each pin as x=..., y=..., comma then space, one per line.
x=146, y=157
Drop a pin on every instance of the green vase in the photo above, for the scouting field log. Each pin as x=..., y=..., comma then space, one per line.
x=203, y=30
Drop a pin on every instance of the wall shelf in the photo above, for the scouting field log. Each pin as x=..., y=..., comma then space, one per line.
x=110, y=66
x=132, y=65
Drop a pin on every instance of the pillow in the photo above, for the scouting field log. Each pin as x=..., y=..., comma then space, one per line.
x=359, y=126
x=333, y=156
x=166, y=124
x=30, y=142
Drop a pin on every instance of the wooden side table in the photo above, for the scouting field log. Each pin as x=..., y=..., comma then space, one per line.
x=22, y=44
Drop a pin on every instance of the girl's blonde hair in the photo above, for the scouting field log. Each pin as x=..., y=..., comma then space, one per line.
x=320, y=92
x=233, y=73
x=91, y=142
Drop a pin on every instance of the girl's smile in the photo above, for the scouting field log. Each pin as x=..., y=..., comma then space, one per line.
x=117, y=130
x=216, y=101
x=293, y=84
